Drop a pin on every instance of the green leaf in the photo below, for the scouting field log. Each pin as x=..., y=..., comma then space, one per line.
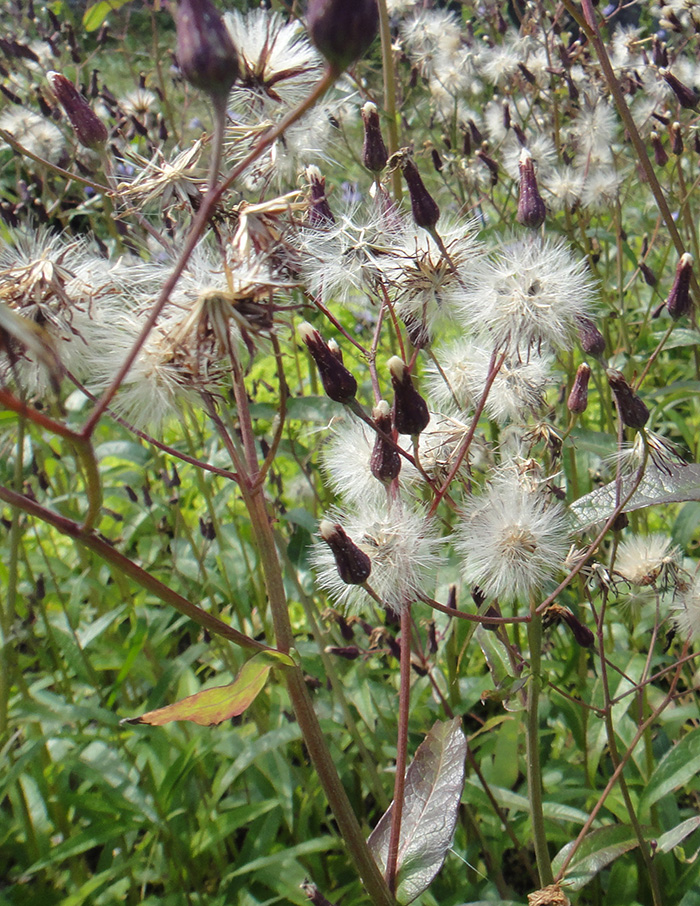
x=95, y=15
x=434, y=783
x=679, y=765
x=214, y=706
x=677, y=834
x=598, y=849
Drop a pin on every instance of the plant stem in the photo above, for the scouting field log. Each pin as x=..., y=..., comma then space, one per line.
x=389, y=92
x=534, y=771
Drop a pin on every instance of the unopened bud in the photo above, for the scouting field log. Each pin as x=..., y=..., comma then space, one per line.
x=647, y=273
x=659, y=53
x=676, y=138
x=339, y=384
x=679, y=302
x=490, y=164
x=410, y=412
x=89, y=129
x=555, y=613
x=437, y=160
x=578, y=398
x=506, y=115
x=320, y=214
x=426, y=212
x=385, y=462
x=353, y=565
x=631, y=409
x=205, y=52
x=531, y=208
x=686, y=96
x=621, y=521
x=349, y=652
x=660, y=156
x=342, y=29
x=591, y=339
x=374, y=153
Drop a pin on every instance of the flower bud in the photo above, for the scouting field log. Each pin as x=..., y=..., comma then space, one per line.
x=320, y=213
x=342, y=30
x=89, y=129
x=353, y=565
x=338, y=382
x=349, y=652
x=659, y=53
x=660, y=156
x=647, y=273
x=631, y=409
x=591, y=339
x=425, y=211
x=385, y=461
x=676, y=138
x=490, y=164
x=374, y=153
x=555, y=614
x=679, y=302
x=685, y=96
x=205, y=51
x=578, y=398
x=410, y=412
x=531, y=208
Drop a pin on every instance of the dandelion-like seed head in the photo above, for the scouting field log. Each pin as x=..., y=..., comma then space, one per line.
x=512, y=539
x=531, y=294
x=685, y=609
x=643, y=559
x=36, y=134
x=178, y=181
x=401, y=544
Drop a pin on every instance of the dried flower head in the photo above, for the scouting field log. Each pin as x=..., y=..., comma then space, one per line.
x=641, y=560
x=685, y=610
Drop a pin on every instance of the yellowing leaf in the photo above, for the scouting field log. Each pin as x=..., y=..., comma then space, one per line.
x=214, y=706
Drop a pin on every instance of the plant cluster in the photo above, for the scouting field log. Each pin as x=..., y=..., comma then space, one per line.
x=348, y=375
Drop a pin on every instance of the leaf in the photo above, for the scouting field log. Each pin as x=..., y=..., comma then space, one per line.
x=677, y=767
x=598, y=849
x=673, y=484
x=95, y=15
x=677, y=834
x=434, y=783
x=214, y=706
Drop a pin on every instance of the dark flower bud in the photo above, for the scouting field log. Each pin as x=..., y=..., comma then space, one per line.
x=622, y=520
x=520, y=135
x=320, y=214
x=631, y=409
x=647, y=273
x=685, y=96
x=374, y=153
x=425, y=211
x=578, y=398
x=393, y=645
x=531, y=208
x=490, y=164
x=660, y=156
x=659, y=54
x=336, y=351
x=467, y=143
x=349, y=652
x=506, y=115
x=205, y=52
x=591, y=339
x=477, y=137
x=410, y=412
x=385, y=461
x=437, y=160
x=676, y=138
x=342, y=30
x=89, y=129
x=555, y=614
x=432, y=637
x=338, y=382
x=527, y=75
x=679, y=302
x=353, y=565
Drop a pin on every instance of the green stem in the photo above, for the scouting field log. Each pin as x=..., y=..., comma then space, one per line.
x=534, y=771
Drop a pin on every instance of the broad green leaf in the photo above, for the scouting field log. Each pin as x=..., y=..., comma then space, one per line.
x=434, y=783
x=598, y=849
x=677, y=834
x=95, y=15
x=678, y=766
x=214, y=706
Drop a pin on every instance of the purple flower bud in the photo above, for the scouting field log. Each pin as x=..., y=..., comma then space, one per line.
x=531, y=208
x=676, y=138
x=425, y=211
x=685, y=96
x=374, y=153
x=555, y=613
x=659, y=54
x=89, y=129
x=490, y=164
x=353, y=565
x=660, y=156
x=320, y=214
x=349, y=652
x=647, y=273
x=385, y=462
x=591, y=339
x=631, y=409
x=410, y=412
x=338, y=382
x=578, y=398
x=679, y=302
x=342, y=29
x=205, y=51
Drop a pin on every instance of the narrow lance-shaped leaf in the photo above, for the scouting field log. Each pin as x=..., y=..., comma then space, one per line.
x=214, y=706
x=679, y=765
x=434, y=783
x=598, y=849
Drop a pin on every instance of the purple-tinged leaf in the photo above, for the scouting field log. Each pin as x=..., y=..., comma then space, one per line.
x=598, y=849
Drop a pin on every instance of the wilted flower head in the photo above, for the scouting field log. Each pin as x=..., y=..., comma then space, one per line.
x=530, y=293
x=402, y=547
x=512, y=539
